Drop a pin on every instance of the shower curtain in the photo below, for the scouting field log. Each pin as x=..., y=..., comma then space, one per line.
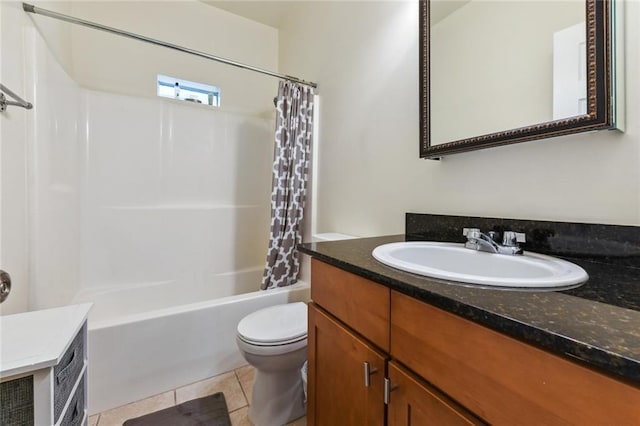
x=294, y=130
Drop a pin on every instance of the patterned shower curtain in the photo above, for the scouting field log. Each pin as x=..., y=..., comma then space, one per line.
x=294, y=130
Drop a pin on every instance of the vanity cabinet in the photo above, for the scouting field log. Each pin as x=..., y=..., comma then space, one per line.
x=347, y=344
x=43, y=367
x=349, y=368
x=438, y=368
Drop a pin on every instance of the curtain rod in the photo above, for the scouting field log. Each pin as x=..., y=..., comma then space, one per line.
x=18, y=100
x=39, y=11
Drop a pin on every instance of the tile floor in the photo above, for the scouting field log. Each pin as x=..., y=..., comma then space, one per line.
x=236, y=386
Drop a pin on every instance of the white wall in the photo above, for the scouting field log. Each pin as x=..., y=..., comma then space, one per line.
x=103, y=61
x=55, y=33
x=364, y=56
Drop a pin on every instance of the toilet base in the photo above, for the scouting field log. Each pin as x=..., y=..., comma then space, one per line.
x=278, y=398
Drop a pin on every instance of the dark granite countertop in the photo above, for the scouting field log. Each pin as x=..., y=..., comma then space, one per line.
x=597, y=324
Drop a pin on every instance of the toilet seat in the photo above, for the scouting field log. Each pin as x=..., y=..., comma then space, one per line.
x=275, y=326
x=279, y=343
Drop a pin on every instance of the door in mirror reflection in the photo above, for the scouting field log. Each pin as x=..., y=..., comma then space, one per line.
x=570, y=72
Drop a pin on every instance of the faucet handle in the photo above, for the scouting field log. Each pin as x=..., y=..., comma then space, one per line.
x=511, y=239
x=469, y=232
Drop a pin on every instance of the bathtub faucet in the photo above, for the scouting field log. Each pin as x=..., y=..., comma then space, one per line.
x=479, y=241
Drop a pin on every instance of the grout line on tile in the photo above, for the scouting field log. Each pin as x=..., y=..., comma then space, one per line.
x=246, y=398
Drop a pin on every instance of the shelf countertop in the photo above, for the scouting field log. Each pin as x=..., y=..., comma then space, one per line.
x=34, y=340
x=597, y=324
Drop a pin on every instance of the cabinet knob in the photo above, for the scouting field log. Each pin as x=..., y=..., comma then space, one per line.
x=368, y=371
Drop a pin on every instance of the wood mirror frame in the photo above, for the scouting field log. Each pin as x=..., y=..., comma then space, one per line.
x=599, y=91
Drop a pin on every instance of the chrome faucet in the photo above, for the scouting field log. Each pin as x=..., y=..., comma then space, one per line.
x=477, y=240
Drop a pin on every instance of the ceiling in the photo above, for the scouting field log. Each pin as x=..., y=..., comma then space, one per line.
x=267, y=12
x=273, y=13
x=443, y=8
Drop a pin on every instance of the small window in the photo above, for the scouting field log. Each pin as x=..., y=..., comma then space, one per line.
x=190, y=91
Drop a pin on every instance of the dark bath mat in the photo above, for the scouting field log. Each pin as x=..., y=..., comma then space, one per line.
x=210, y=410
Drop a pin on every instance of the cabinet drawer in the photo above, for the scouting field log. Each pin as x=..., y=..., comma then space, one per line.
x=501, y=379
x=66, y=373
x=75, y=411
x=361, y=304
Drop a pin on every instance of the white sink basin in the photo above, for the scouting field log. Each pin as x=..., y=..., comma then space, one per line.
x=454, y=262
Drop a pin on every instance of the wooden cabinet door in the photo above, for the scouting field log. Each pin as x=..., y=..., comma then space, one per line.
x=337, y=394
x=413, y=402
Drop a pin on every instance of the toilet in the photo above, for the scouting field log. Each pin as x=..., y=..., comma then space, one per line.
x=274, y=341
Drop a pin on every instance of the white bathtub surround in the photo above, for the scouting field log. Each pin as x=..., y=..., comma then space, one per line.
x=294, y=133
x=173, y=192
x=128, y=190
x=54, y=170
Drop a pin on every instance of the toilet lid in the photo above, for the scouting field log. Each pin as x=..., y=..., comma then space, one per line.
x=275, y=325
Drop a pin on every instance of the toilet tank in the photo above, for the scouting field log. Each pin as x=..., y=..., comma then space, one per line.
x=331, y=236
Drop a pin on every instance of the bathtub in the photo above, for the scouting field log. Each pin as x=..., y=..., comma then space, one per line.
x=148, y=338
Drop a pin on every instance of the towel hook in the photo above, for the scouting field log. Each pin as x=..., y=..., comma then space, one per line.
x=18, y=100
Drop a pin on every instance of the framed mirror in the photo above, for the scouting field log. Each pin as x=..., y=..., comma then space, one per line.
x=495, y=73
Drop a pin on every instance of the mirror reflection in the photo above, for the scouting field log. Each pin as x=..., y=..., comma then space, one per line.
x=501, y=72
x=499, y=65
